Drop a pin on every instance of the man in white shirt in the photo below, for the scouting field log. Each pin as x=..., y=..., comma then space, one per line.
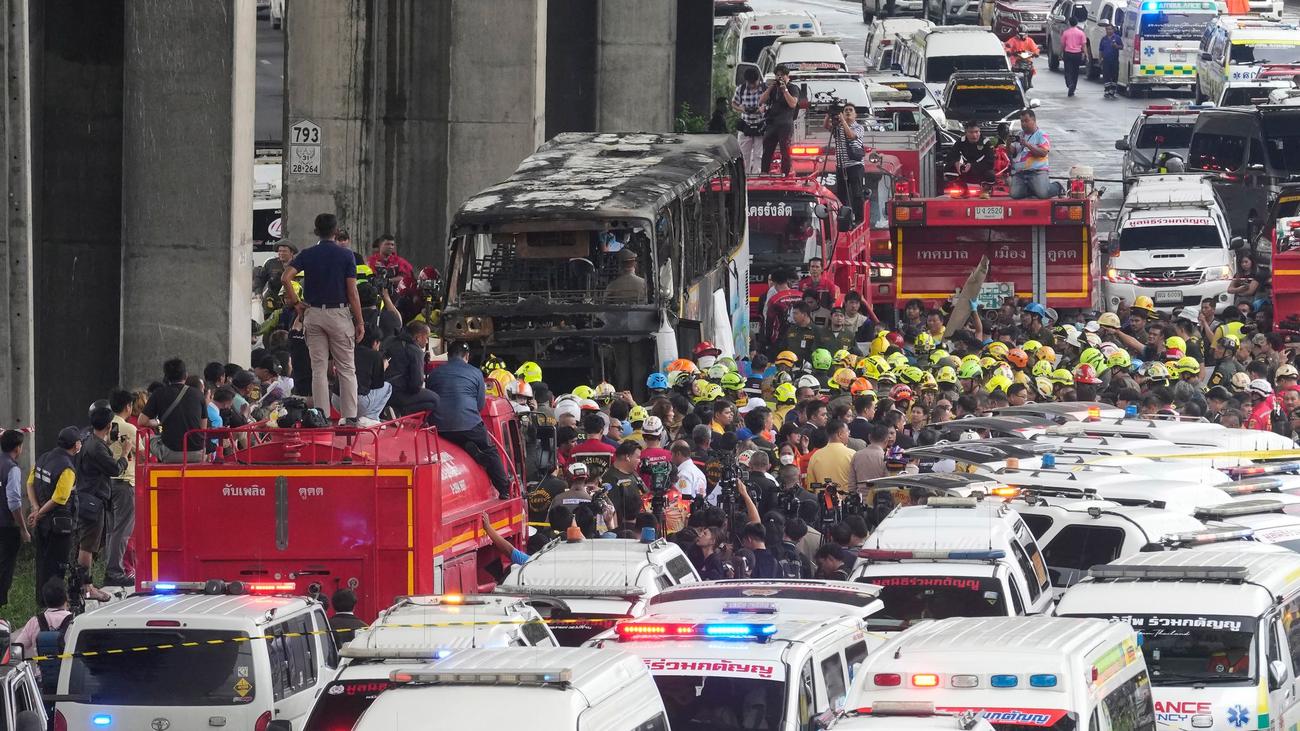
x=690, y=480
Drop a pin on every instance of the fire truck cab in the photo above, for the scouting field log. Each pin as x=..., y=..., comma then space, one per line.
x=1042, y=249
x=387, y=511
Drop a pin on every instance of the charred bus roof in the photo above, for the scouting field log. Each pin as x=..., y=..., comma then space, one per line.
x=622, y=176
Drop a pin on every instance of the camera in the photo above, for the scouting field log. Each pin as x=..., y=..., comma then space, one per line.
x=599, y=500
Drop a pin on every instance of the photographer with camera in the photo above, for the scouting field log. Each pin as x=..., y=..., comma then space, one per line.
x=385, y=262
x=782, y=101
x=762, y=486
x=622, y=483
x=846, y=136
x=749, y=129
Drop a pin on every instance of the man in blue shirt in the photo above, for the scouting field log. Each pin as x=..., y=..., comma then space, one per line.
x=330, y=312
x=1110, y=46
x=461, y=394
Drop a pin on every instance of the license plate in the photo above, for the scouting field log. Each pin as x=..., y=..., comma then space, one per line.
x=1033, y=27
x=1169, y=296
x=988, y=213
x=1178, y=57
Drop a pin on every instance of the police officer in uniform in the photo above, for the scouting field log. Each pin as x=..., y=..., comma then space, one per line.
x=49, y=489
x=801, y=335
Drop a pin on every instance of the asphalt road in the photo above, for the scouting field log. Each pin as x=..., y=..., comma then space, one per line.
x=268, y=122
x=1083, y=128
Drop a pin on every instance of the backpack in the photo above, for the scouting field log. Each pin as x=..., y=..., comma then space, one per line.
x=50, y=641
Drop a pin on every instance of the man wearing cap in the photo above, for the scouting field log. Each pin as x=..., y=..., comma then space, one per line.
x=656, y=467
x=1109, y=325
x=1216, y=400
x=627, y=287
x=49, y=488
x=578, y=492
x=1224, y=357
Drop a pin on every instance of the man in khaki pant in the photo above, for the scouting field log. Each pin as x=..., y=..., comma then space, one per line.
x=331, y=315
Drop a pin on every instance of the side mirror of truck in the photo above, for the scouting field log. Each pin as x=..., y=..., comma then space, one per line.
x=1236, y=243
x=1122, y=144
x=1276, y=674
x=820, y=211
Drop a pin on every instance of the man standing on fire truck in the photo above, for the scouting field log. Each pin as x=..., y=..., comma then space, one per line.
x=459, y=417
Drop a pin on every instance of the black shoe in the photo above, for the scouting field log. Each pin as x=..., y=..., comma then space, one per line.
x=1071, y=93
x=119, y=580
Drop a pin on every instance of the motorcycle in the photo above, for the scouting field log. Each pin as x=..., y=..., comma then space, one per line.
x=1023, y=64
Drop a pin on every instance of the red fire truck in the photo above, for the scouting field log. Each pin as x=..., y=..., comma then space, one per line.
x=388, y=511
x=1284, y=235
x=1045, y=250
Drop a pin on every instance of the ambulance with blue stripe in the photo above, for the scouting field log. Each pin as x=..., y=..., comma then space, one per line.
x=1239, y=48
x=1159, y=43
x=1016, y=673
x=1220, y=631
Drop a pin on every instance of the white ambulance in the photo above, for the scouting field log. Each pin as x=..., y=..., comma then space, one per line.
x=1018, y=673
x=954, y=557
x=1159, y=40
x=1220, y=631
x=560, y=689
x=232, y=655
x=1239, y=47
x=581, y=588
x=754, y=654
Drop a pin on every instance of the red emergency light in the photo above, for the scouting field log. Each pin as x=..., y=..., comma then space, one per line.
x=269, y=587
x=805, y=151
x=963, y=190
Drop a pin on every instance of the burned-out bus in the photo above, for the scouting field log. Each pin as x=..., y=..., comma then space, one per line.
x=604, y=253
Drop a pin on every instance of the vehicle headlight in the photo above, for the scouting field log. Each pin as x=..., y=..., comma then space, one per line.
x=1216, y=274
x=1120, y=276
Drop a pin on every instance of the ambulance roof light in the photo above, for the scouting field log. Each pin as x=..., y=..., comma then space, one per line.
x=558, y=676
x=1169, y=573
x=642, y=630
x=1240, y=507
x=880, y=554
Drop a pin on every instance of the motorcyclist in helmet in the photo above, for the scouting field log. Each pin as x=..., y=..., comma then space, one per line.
x=1019, y=43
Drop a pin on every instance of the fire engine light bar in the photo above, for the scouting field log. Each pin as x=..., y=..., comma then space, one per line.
x=805, y=150
x=1241, y=507
x=902, y=708
x=880, y=554
x=1004, y=681
x=1251, y=486
x=635, y=630
x=1283, y=468
x=262, y=587
x=1167, y=573
x=1212, y=535
x=433, y=675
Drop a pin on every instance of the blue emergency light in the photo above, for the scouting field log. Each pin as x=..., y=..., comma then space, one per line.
x=739, y=630
x=161, y=586
x=1131, y=410
x=1046, y=680
x=101, y=720
x=638, y=630
x=1004, y=681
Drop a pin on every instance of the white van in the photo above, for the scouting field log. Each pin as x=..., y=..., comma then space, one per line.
x=1239, y=47
x=583, y=587
x=747, y=34
x=909, y=716
x=413, y=632
x=879, y=49
x=577, y=689
x=1172, y=244
x=932, y=54
x=225, y=679
x=1160, y=43
x=1220, y=631
x=954, y=557
x=803, y=52
x=1016, y=672
x=752, y=654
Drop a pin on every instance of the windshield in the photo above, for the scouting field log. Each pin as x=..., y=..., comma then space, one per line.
x=984, y=101
x=783, y=230
x=1246, y=96
x=754, y=45
x=910, y=598
x=343, y=702
x=1174, y=26
x=1184, y=649
x=1282, y=140
x=711, y=703
x=1155, y=236
x=1264, y=52
x=1164, y=135
x=201, y=674
x=939, y=68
